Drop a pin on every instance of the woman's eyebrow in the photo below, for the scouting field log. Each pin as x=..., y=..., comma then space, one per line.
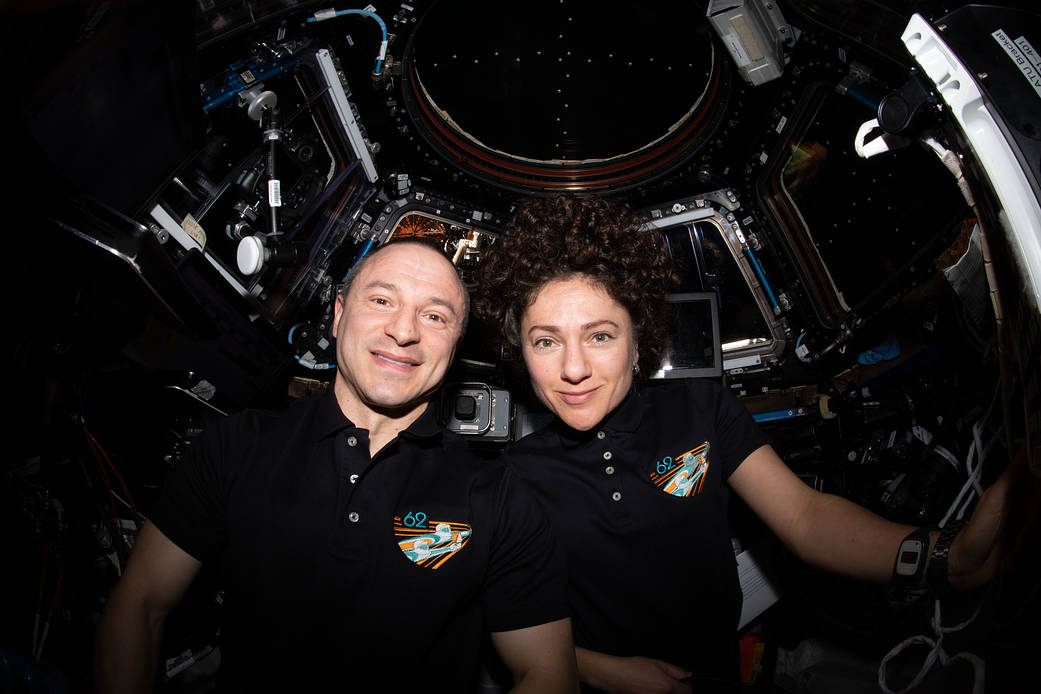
x=586, y=326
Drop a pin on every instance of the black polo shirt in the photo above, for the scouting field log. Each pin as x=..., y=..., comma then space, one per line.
x=640, y=503
x=341, y=572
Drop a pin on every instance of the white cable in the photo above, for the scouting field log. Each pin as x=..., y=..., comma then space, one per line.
x=926, y=666
x=966, y=495
x=970, y=486
x=947, y=455
x=977, y=428
x=974, y=473
x=979, y=669
x=936, y=653
x=994, y=440
x=938, y=624
x=957, y=501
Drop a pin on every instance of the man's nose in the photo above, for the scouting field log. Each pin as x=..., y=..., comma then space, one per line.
x=403, y=327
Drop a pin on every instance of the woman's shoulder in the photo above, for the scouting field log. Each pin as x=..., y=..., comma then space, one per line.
x=537, y=440
x=682, y=391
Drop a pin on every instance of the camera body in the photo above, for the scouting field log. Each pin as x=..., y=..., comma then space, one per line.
x=478, y=410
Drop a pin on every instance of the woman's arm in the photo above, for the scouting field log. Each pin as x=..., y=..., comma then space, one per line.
x=835, y=534
x=824, y=530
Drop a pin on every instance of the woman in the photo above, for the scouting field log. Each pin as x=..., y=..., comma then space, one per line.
x=637, y=479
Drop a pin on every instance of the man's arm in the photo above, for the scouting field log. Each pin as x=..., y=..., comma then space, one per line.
x=126, y=646
x=631, y=675
x=541, y=658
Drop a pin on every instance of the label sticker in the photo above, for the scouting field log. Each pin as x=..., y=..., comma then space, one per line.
x=274, y=193
x=194, y=229
x=1023, y=55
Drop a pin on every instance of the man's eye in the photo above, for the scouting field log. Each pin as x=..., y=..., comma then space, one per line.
x=380, y=301
x=601, y=337
x=437, y=318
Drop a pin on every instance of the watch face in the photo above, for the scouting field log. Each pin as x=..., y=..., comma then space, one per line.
x=908, y=557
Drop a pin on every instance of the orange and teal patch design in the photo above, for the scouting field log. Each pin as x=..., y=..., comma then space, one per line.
x=683, y=475
x=429, y=543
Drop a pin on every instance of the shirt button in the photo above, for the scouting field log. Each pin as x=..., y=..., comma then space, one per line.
x=354, y=478
x=601, y=435
x=609, y=469
x=616, y=496
x=353, y=516
x=352, y=441
x=608, y=455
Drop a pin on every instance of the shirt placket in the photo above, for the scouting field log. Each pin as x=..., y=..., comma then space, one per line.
x=353, y=507
x=606, y=459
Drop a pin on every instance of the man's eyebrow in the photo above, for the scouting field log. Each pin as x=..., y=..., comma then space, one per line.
x=391, y=287
x=444, y=302
x=586, y=326
x=381, y=284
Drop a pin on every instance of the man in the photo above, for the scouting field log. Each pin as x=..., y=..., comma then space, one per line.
x=362, y=548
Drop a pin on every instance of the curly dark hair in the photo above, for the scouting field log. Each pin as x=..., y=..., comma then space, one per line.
x=556, y=238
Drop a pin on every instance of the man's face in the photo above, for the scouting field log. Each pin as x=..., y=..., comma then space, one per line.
x=397, y=328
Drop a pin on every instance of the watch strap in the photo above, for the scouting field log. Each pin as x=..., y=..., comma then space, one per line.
x=921, y=535
x=937, y=573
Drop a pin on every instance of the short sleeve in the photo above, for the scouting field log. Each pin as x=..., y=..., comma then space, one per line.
x=738, y=433
x=190, y=508
x=526, y=583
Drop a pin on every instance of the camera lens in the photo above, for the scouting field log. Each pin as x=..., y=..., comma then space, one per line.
x=465, y=407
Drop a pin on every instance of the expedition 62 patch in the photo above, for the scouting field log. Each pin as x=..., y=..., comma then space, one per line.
x=683, y=475
x=429, y=543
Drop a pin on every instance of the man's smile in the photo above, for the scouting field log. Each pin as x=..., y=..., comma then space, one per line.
x=398, y=361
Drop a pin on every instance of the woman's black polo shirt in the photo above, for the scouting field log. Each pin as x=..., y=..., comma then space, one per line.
x=640, y=503
x=341, y=573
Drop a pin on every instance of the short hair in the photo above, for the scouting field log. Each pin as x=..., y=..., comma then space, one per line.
x=352, y=273
x=594, y=238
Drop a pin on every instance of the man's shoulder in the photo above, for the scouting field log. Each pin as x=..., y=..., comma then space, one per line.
x=457, y=452
x=533, y=455
x=264, y=422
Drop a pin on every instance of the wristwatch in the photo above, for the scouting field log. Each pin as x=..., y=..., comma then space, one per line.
x=911, y=557
x=936, y=574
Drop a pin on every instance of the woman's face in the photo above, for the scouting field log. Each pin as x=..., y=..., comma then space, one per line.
x=579, y=348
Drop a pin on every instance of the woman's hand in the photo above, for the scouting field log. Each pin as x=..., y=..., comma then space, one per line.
x=992, y=534
x=631, y=675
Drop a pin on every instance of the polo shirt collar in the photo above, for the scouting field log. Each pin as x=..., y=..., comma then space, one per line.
x=623, y=419
x=426, y=427
x=330, y=420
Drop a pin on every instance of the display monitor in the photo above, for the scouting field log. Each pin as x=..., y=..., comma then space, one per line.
x=693, y=349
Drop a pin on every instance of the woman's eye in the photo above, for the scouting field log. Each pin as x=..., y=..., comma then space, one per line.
x=543, y=343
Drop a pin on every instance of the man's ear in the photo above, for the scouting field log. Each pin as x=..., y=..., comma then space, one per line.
x=337, y=312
